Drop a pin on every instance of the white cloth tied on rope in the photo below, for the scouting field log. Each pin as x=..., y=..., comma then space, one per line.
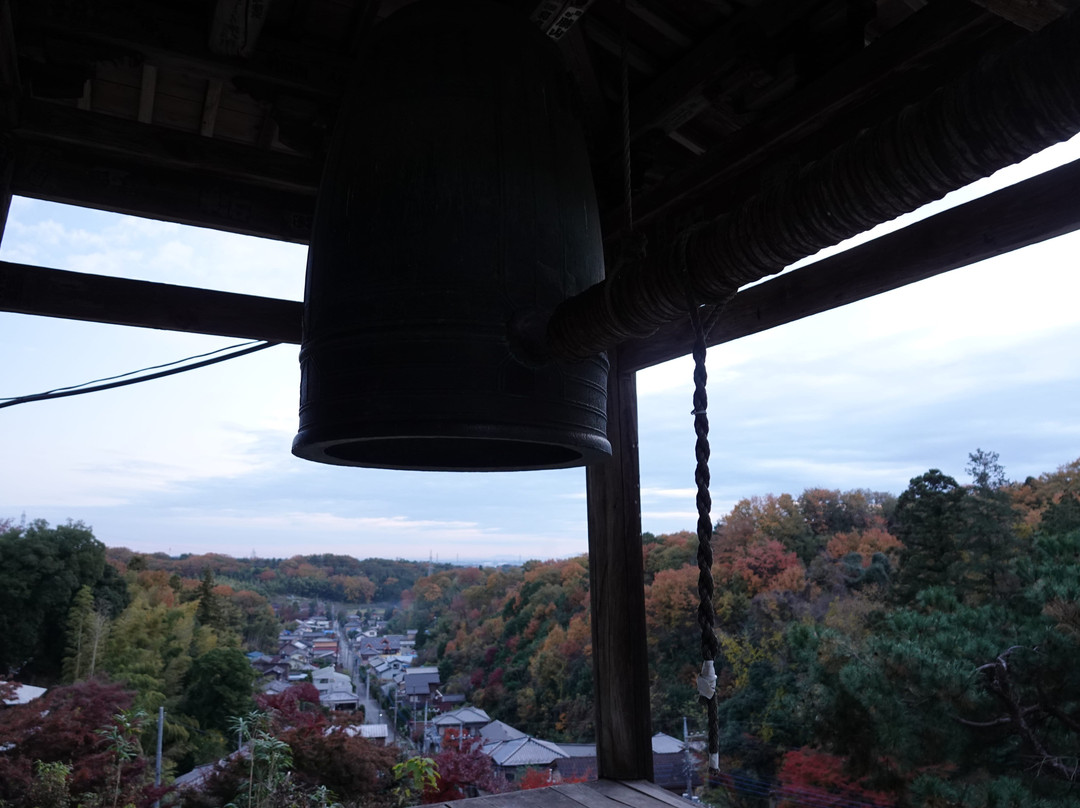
x=706, y=681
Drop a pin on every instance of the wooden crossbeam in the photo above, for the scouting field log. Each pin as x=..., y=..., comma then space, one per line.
x=1026, y=213
x=28, y=289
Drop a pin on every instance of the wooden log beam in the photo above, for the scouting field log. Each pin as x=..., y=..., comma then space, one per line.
x=109, y=182
x=1026, y=213
x=52, y=124
x=617, y=594
x=28, y=289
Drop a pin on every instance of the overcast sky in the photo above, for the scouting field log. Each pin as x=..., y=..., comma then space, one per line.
x=866, y=396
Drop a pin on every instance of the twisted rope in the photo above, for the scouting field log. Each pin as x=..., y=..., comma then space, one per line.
x=706, y=611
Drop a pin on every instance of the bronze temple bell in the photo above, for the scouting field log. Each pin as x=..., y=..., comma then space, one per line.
x=456, y=212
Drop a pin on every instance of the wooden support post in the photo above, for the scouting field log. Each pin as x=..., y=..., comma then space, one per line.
x=617, y=592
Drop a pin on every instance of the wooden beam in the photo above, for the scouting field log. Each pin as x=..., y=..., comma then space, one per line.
x=1035, y=210
x=143, y=144
x=617, y=594
x=1027, y=213
x=76, y=177
x=76, y=296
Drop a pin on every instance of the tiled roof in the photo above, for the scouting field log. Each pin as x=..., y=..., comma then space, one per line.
x=463, y=715
x=666, y=745
x=524, y=752
x=498, y=731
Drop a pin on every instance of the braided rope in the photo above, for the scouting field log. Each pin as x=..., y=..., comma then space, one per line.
x=706, y=611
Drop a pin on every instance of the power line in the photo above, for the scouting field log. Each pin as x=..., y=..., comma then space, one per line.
x=123, y=380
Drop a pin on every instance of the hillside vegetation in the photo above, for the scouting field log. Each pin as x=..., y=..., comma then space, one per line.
x=912, y=650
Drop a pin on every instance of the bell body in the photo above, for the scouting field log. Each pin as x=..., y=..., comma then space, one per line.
x=456, y=211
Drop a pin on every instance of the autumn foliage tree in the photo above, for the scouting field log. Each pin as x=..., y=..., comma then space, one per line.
x=64, y=726
x=462, y=770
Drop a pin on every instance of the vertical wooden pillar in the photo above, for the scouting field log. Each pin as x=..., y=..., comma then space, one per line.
x=617, y=590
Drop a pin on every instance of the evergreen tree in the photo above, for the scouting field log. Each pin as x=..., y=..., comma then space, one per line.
x=989, y=540
x=209, y=612
x=928, y=521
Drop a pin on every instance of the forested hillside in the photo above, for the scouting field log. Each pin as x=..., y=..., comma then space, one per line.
x=912, y=650
x=323, y=576
x=918, y=650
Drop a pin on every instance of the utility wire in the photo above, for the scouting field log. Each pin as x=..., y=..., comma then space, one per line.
x=122, y=379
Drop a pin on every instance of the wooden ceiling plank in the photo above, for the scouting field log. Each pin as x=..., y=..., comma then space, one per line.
x=70, y=175
x=26, y=289
x=1035, y=210
x=52, y=124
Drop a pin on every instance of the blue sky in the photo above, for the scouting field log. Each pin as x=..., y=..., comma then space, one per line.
x=869, y=396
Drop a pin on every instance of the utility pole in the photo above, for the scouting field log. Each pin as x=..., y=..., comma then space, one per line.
x=687, y=765
x=157, y=764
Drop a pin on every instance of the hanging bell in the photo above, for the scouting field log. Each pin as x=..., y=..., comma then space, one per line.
x=456, y=212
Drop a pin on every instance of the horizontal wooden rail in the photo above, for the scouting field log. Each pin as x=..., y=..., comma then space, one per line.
x=1026, y=213
x=76, y=296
